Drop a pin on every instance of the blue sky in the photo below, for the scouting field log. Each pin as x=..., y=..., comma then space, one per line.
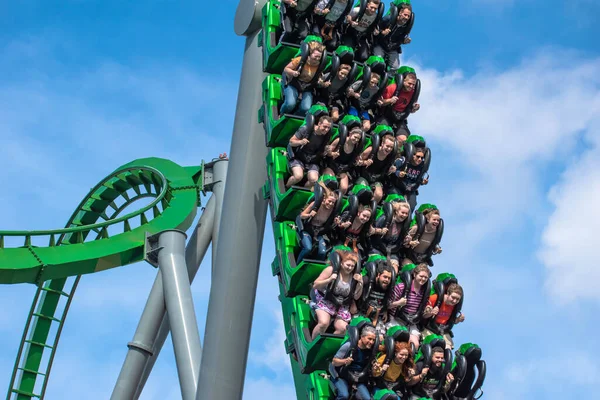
x=510, y=107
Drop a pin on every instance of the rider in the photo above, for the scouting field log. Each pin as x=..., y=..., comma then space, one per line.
x=357, y=362
x=429, y=377
x=443, y=313
x=398, y=373
x=340, y=161
x=419, y=248
x=315, y=222
x=393, y=35
x=408, y=176
x=391, y=242
x=359, y=28
x=399, y=100
x=309, y=151
x=407, y=301
x=377, y=166
x=301, y=82
x=328, y=20
x=376, y=294
x=340, y=287
x=353, y=232
x=362, y=100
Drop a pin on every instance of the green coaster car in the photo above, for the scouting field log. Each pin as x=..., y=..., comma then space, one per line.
x=276, y=55
x=286, y=203
x=313, y=386
x=312, y=354
x=280, y=128
x=296, y=279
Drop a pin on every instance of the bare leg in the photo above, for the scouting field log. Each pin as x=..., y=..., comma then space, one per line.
x=323, y=320
x=335, y=114
x=313, y=177
x=297, y=175
x=415, y=340
x=344, y=182
x=378, y=193
x=340, y=326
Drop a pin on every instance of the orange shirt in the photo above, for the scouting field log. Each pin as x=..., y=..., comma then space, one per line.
x=308, y=71
x=445, y=312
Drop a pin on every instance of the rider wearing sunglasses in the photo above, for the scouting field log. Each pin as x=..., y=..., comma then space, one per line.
x=409, y=175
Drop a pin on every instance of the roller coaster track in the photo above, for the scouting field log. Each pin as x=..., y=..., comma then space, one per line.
x=94, y=239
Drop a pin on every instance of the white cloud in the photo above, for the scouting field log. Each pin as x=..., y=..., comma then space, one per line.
x=273, y=355
x=569, y=246
x=503, y=129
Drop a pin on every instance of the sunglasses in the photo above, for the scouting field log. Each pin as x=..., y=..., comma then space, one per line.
x=420, y=157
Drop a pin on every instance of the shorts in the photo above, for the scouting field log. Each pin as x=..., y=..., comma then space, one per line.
x=342, y=312
x=412, y=328
x=307, y=167
x=447, y=338
x=364, y=115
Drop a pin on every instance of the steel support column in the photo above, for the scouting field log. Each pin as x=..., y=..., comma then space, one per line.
x=194, y=253
x=149, y=338
x=235, y=272
x=180, y=309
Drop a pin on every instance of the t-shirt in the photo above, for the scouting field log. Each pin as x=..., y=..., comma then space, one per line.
x=376, y=297
x=360, y=358
x=394, y=371
x=445, y=312
x=403, y=97
x=413, y=298
x=316, y=142
x=411, y=179
x=308, y=71
x=366, y=95
x=365, y=22
x=336, y=84
x=430, y=382
x=335, y=11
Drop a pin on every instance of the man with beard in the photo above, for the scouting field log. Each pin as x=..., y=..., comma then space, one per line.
x=374, y=305
x=430, y=377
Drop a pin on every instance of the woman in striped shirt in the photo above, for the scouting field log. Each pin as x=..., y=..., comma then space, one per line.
x=406, y=306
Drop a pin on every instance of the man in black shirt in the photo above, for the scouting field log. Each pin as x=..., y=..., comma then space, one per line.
x=430, y=377
x=374, y=306
x=356, y=360
x=309, y=148
x=393, y=35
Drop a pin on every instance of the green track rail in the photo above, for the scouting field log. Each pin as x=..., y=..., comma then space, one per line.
x=95, y=238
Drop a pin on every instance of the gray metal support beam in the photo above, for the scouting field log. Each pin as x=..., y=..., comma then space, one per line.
x=180, y=308
x=149, y=338
x=194, y=253
x=235, y=272
x=218, y=189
